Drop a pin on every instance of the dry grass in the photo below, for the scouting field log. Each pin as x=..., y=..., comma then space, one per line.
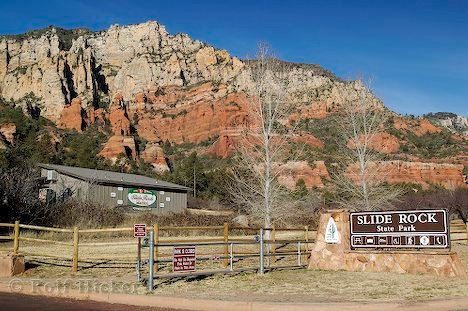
x=316, y=286
x=117, y=263
x=108, y=256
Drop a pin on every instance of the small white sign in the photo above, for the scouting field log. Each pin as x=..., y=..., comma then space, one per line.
x=120, y=188
x=331, y=233
x=113, y=194
x=161, y=192
x=424, y=240
x=120, y=202
x=168, y=199
x=161, y=204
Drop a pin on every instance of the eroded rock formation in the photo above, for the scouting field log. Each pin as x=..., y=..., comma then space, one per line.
x=313, y=176
x=119, y=145
x=382, y=142
x=165, y=87
x=446, y=175
x=7, y=132
x=154, y=155
x=72, y=116
x=417, y=126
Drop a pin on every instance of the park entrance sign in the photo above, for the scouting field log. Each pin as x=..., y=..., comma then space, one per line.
x=400, y=229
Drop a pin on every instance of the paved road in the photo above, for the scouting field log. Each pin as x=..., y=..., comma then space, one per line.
x=18, y=302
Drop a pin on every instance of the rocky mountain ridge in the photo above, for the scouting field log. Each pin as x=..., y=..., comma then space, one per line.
x=147, y=84
x=451, y=121
x=127, y=60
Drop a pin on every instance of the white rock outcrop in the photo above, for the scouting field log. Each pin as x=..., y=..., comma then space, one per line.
x=48, y=68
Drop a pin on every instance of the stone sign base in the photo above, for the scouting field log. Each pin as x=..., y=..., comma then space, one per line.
x=11, y=265
x=339, y=256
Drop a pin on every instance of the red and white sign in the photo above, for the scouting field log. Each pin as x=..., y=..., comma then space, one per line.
x=184, y=259
x=139, y=230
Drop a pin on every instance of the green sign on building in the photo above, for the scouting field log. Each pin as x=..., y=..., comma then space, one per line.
x=141, y=197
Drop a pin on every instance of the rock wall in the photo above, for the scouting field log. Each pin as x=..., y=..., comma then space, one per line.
x=313, y=176
x=154, y=155
x=164, y=87
x=72, y=116
x=7, y=132
x=122, y=142
x=382, y=142
x=55, y=66
x=447, y=175
x=119, y=145
x=38, y=68
x=125, y=59
x=418, y=126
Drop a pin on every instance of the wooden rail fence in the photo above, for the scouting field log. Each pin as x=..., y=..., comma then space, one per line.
x=458, y=233
x=73, y=238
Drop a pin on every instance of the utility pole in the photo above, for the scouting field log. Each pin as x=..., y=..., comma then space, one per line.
x=194, y=181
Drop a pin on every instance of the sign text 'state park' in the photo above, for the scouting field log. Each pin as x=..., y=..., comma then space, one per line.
x=400, y=229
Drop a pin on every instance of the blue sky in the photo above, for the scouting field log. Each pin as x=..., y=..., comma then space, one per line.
x=414, y=52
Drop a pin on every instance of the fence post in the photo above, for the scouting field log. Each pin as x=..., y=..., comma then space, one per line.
x=75, y=249
x=226, y=247
x=138, y=264
x=231, y=256
x=16, y=234
x=306, y=238
x=156, y=248
x=299, y=253
x=151, y=261
x=262, y=263
x=273, y=239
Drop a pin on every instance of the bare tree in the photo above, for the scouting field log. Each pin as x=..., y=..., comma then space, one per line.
x=19, y=195
x=361, y=180
x=264, y=145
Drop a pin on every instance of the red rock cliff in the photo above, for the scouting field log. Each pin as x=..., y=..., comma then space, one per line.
x=447, y=175
x=72, y=116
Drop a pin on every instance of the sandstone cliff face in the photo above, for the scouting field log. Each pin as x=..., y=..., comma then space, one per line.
x=193, y=116
x=39, y=67
x=7, y=132
x=137, y=59
x=154, y=155
x=418, y=127
x=125, y=59
x=165, y=87
x=455, y=123
x=313, y=176
x=119, y=145
x=72, y=116
x=447, y=175
x=382, y=142
x=118, y=117
x=176, y=88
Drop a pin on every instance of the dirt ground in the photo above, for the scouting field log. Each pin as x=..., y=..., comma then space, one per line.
x=298, y=285
x=322, y=286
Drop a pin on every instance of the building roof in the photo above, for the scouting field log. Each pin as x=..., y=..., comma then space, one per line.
x=108, y=177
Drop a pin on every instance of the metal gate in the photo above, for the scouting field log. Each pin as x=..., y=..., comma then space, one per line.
x=264, y=259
